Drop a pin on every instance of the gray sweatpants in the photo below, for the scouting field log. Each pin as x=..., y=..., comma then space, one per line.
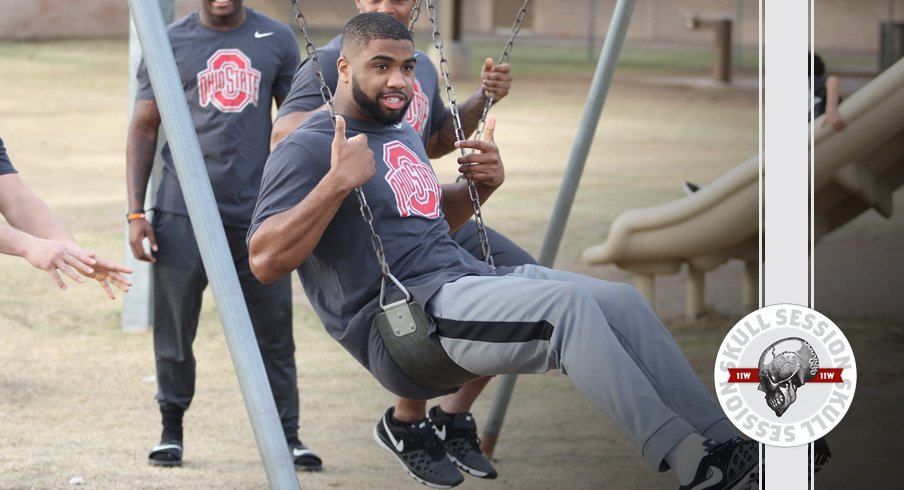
x=603, y=335
x=179, y=283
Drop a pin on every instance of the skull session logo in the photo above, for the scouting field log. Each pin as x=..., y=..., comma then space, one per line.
x=785, y=375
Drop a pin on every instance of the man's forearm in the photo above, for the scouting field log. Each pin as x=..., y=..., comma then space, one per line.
x=469, y=114
x=28, y=213
x=285, y=240
x=457, y=205
x=139, y=163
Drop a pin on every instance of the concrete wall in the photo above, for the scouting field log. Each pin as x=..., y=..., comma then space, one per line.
x=840, y=24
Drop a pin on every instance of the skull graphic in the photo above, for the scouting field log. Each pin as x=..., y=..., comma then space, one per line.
x=784, y=367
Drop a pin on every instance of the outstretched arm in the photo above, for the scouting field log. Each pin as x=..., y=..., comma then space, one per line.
x=495, y=81
x=484, y=168
x=35, y=235
x=285, y=240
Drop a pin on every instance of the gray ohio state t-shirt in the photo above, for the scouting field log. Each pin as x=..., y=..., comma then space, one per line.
x=425, y=113
x=341, y=277
x=230, y=79
x=6, y=166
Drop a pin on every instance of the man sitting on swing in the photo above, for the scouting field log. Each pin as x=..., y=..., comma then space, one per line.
x=433, y=122
x=487, y=321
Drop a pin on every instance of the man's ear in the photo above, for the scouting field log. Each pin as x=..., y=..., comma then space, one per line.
x=344, y=69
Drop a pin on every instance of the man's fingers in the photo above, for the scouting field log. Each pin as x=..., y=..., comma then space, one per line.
x=488, y=65
x=56, y=278
x=339, y=136
x=106, y=287
x=61, y=266
x=489, y=130
x=79, y=264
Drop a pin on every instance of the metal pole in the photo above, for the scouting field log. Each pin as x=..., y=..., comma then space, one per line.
x=596, y=99
x=591, y=30
x=137, y=306
x=208, y=228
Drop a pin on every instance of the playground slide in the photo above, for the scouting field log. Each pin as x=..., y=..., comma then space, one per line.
x=856, y=169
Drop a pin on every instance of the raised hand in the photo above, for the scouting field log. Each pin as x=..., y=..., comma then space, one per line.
x=352, y=160
x=495, y=80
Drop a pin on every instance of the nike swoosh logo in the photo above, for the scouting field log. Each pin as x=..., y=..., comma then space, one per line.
x=399, y=445
x=441, y=434
x=715, y=476
x=296, y=452
x=259, y=35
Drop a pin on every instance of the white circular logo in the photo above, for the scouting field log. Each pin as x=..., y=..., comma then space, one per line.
x=785, y=375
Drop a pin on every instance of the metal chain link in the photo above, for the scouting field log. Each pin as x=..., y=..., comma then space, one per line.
x=415, y=13
x=327, y=96
x=459, y=133
x=504, y=58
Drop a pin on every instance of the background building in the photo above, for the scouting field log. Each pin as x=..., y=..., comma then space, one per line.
x=841, y=25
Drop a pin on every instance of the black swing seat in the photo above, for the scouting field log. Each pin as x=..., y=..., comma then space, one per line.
x=407, y=338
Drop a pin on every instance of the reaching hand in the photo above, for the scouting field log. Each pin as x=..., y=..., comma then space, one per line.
x=495, y=80
x=55, y=257
x=107, y=271
x=835, y=121
x=352, y=160
x=486, y=166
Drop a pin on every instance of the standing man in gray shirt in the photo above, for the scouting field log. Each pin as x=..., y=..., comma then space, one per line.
x=233, y=62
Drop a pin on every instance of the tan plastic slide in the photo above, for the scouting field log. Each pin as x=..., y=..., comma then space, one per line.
x=855, y=169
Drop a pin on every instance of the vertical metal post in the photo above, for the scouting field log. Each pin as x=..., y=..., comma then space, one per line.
x=786, y=178
x=596, y=99
x=138, y=305
x=208, y=228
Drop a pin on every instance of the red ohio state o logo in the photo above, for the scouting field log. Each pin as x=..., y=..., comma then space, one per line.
x=229, y=82
x=412, y=181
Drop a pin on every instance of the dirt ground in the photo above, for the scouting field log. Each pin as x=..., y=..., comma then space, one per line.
x=77, y=395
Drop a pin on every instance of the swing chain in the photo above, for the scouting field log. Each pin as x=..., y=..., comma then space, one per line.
x=327, y=95
x=459, y=132
x=415, y=13
x=504, y=58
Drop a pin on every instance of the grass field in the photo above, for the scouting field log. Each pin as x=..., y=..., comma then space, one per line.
x=76, y=394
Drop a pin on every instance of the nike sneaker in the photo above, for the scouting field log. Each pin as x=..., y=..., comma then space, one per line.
x=732, y=465
x=418, y=450
x=304, y=458
x=458, y=433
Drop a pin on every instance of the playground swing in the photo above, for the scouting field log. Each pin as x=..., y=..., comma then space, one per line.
x=404, y=325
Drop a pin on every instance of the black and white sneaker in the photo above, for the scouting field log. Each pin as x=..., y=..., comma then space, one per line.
x=304, y=458
x=458, y=433
x=418, y=450
x=732, y=465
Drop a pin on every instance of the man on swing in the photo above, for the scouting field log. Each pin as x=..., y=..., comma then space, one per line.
x=526, y=319
x=432, y=121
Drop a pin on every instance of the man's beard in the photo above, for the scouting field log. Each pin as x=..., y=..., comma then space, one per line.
x=374, y=111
